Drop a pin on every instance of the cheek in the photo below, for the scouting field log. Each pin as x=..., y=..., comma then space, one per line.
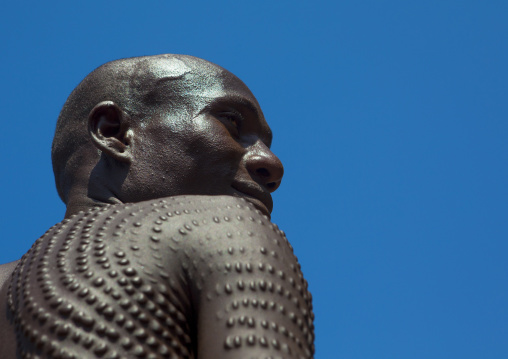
x=192, y=154
x=214, y=150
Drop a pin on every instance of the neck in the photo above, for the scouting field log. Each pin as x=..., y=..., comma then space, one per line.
x=95, y=186
x=82, y=201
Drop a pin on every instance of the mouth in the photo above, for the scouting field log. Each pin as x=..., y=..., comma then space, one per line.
x=261, y=199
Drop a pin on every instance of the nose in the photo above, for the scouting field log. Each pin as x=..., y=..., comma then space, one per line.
x=264, y=167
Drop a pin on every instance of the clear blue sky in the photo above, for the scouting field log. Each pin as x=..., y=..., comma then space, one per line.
x=390, y=118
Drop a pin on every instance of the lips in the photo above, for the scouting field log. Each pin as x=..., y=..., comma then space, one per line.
x=253, y=193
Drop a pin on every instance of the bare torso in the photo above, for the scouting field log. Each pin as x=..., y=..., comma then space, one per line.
x=181, y=277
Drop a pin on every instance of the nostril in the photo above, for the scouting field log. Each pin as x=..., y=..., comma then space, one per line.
x=271, y=185
x=263, y=172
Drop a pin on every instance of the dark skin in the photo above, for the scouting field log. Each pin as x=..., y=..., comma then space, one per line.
x=203, y=134
x=238, y=147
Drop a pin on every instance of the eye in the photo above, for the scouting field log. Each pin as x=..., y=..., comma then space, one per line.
x=232, y=118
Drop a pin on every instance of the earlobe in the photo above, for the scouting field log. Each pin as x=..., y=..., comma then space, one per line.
x=108, y=126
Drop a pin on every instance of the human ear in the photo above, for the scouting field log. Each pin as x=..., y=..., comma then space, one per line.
x=109, y=130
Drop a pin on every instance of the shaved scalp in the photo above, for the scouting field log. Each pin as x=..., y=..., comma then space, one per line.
x=132, y=84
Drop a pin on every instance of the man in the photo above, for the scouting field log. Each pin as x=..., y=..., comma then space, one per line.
x=166, y=249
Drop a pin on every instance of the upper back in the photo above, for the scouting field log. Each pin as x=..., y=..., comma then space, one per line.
x=186, y=277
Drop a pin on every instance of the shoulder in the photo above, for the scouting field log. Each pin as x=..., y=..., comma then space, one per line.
x=172, y=230
x=189, y=217
x=193, y=241
x=199, y=224
x=241, y=274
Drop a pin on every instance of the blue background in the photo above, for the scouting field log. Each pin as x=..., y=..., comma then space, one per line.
x=389, y=116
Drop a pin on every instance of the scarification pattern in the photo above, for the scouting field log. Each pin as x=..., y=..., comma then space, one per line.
x=181, y=277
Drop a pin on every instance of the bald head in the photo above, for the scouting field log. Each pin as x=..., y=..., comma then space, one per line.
x=152, y=127
x=140, y=87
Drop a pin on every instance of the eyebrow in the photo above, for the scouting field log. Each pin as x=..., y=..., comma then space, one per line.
x=232, y=100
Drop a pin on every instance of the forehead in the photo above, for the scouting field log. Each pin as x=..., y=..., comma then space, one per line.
x=195, y=84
